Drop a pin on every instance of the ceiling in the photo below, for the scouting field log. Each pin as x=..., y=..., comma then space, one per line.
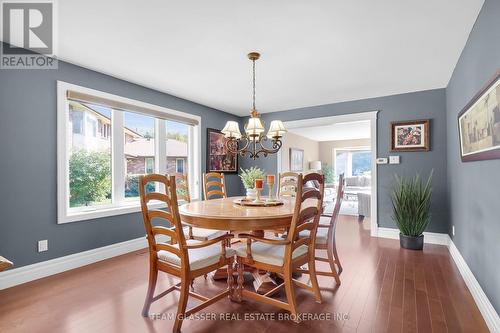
x=335, y=131
x=313, y=52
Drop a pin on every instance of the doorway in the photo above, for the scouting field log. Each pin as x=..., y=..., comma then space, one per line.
x=344, y=144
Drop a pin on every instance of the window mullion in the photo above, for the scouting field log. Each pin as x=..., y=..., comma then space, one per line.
x=161, y=146
x=118, y=157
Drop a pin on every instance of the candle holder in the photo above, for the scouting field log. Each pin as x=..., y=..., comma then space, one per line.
x=270, y=184
x=258, y=186
x=258, y=195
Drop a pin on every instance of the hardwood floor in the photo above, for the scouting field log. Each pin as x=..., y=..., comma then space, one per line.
x=384, y=289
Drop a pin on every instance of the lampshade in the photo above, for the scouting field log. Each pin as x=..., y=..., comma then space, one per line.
x=277, y=129
x=231, y=130
x=254, y=126
x=315, y=165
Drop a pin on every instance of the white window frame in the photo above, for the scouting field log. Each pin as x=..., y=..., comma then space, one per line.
x=119, y=206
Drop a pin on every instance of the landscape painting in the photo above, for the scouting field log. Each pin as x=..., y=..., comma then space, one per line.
x=479, y=124
x=296, y=160
x=218, y=158
x=410, y=135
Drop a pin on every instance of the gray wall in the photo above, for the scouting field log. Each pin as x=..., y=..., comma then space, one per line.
x=419, y=105
x=28, y=205
x=474, y=187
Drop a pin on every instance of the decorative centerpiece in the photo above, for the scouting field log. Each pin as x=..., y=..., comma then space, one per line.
x=270, y=184
x=411, y=200
x=248, y=178
x=259, y=184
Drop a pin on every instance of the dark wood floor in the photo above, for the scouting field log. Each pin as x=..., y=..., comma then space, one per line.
x=384, y=289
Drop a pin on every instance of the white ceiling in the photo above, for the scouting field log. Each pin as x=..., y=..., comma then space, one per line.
x=313, y=52
x=336, y=131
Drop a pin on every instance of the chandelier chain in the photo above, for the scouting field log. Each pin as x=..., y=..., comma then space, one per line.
x=253, y=83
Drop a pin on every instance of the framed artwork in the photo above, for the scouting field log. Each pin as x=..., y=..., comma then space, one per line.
x=296, y=160
x=218, y=158
x=479, y=124
x=410, y=135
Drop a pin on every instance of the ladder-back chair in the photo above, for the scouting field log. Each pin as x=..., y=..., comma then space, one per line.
x=183, y=196
x=325, y=237
x=182, y=259
x=283, y=256
x=214, y=185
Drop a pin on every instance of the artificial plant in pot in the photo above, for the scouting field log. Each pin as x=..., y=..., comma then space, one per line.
x=411, y=200
x=248, y=177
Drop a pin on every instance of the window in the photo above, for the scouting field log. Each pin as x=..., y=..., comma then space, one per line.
x=179, y=165
x=352, y=162
x=106, y=142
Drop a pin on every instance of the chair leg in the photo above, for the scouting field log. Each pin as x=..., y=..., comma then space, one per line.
x=314, y=279
x=336, y=255
x=331, y=261
x=290, y=294
x=240, y=279
x=153, y=276
x=230, y=279
x=181, y=309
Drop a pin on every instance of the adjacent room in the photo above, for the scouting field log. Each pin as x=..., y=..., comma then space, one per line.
x=263, y=166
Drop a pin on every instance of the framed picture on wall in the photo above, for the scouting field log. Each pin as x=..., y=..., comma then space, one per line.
x=218, y=158
x=410, y=135
x=296, y=160
x=479, y=124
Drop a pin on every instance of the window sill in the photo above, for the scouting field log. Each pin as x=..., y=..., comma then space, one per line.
x=104, y=212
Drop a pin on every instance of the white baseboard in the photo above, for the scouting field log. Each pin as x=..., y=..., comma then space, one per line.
x=42, y=269
x=483, y=303
x=429, y=237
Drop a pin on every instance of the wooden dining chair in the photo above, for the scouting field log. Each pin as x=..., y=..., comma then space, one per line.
x=287, y=184
x=282, y=256
x=325, y=237
x=183, y=196
x=183, y=259
x=214, y=185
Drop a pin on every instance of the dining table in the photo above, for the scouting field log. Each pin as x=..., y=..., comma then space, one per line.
x=228, y=215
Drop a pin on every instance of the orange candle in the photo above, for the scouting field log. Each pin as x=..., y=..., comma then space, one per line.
x=259, y=183
x=270, y=179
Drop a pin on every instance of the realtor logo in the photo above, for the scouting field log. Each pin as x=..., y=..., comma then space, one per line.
x=28, y=35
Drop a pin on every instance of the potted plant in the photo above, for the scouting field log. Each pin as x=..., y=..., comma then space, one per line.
x=248, y=178
x=411, y=201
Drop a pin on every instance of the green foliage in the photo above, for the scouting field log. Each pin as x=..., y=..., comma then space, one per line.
x=177, y=136
x=249, y=176
x=411, y=201
x=328, y=173
x=132, y=186
x=89, y=177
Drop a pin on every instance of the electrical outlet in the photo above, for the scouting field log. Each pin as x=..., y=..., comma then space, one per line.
x=382, y=160
x=43, y=245
x=453, y=230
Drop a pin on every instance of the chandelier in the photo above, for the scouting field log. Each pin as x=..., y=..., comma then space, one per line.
x=252, y=143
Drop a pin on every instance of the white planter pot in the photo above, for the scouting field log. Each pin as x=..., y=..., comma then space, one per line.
x=251, y=193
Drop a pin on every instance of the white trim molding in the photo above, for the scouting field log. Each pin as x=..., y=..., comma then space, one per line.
x=16, y=276
x=483, y=303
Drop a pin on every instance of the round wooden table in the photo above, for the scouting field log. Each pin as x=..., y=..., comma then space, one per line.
x=224, y=214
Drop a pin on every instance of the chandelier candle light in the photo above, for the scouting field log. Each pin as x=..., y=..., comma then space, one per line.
x=252, y=141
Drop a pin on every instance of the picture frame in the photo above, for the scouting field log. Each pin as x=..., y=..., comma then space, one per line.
x=479, y=124
x=296, y=160
x=410, y=136
x=218, y=158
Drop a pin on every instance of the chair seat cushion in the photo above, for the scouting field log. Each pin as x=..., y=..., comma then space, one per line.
x=268, y=253
x=198, y=258
x=207, y=234
x=321, y=235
